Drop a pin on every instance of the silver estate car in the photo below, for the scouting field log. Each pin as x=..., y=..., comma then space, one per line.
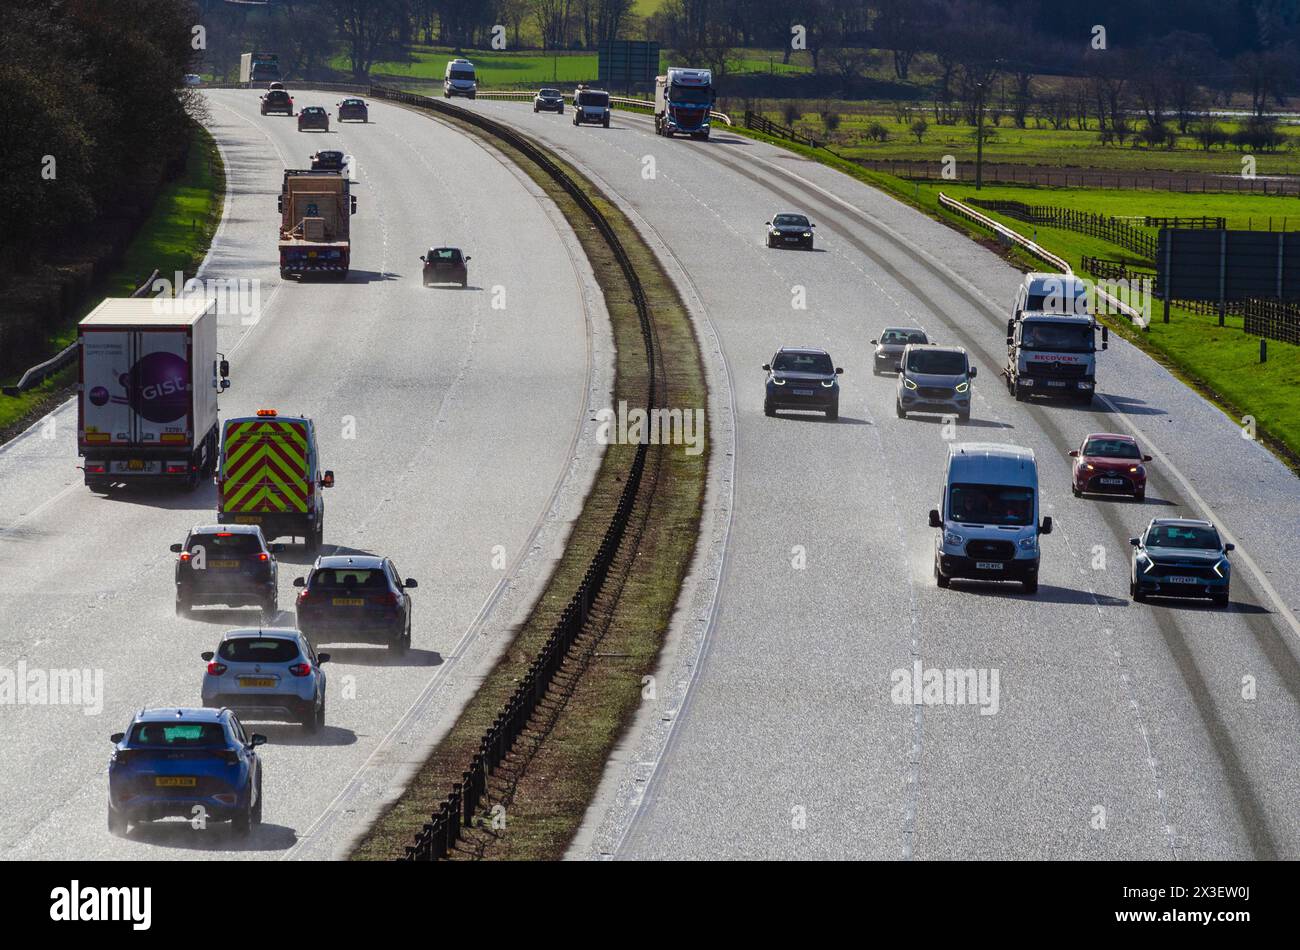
x=934, y=379
x=269, y=673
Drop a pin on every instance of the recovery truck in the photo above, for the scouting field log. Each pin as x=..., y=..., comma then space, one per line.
x=315, y=213
x=1053, y=354
x=259, y=67
x=683, y=100
x=147, y=386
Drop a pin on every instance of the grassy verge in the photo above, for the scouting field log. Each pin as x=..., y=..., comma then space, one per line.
x=547, y=783
x=175, y=236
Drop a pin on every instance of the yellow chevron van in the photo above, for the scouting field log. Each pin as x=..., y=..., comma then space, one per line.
x=270, y=476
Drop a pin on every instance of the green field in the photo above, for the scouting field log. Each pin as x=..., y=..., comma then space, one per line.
x=496, y=70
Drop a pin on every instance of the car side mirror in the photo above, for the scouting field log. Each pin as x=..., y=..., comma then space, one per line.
x=410, y=583
x=422, y=258
x=1229, y=547
x=767, y=367
x=1074, y=453
x=1146, y=458
x=223, y=368
x=1010, y=340
x=468, y=258
x=279, y=204
x=354, y=203
x=935, y=520
x=1134, y=541
x=1046, y=526
x=812, y=225
x=875, y=342
x=277, y=548
x=328, y=480
x=300, y=582
x=839, y=371
x=974, y=371
x=257, y=740
x=207, y=655
x=768, y=223
x=322, y=658
x=117, y=737
x=177, y=548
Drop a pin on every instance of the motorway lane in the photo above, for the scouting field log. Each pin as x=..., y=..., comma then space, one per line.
x=1122, y=730
x=452, y=427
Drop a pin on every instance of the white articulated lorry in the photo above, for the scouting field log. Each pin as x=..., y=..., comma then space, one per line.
x=147, y=390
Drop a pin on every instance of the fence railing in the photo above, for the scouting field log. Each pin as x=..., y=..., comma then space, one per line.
x=761, y=123
x=457, y=810
x=1006, y=233
x=1084, y=222
x=43, y=371
x=1201, y=223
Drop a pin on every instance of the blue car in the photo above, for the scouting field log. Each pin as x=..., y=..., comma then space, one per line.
x=1180, y=557
x=185, y=763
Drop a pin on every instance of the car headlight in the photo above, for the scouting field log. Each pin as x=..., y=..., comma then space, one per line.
x=828, y=383
x=1089, y=466
x=962, y=387
x=1029, y=543
x=951, y=537
x=807, y=234
x=1135, y=468
x=1221, y=566
x=908, y=384
x=778, y=380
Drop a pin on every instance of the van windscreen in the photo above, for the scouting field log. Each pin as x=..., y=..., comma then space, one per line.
x=991, y=504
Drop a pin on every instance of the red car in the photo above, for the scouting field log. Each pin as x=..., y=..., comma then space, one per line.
x=1109, y=464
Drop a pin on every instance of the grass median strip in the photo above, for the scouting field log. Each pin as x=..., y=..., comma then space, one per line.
x=537, y=799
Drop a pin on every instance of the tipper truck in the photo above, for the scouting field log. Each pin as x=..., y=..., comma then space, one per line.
x=259, y=67
x=315, y=209
x=147, y=390
x=683, y=100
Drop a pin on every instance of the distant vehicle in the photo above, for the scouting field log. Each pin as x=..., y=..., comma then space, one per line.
x=352, y=109
x=1109, y=464
x=356, y=599
x=316, y=209
x=789, y=229
x=1053, y=293
x=271, y=477
x=443, y=265
x=459, y=79
x=193, y=79
x=1052, y=355
x=802, y=378
x=591, y=107
x=683, y=102
x=277, y=100
x=259, y=67
x=328, y=160
x=549, y=100
x=267, y=673
x=890, y=347
x=313, y=117
x=988, y=516
x=226, y=564
x=934, y=379
x=275, y=85
x=170, y=761
x=1180, y=557
x=149, y=379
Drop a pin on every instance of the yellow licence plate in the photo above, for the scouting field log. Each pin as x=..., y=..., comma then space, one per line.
x=174, y=781
x=135, y=465
x=248, y=519
x=223, y=564
x=251, y=683
x=349, y=602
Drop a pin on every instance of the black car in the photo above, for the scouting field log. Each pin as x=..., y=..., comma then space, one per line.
x=789, y=229
x=228, y=564
x=277, y=100
x=313, y=117
x=355, y=598
x=802, y=378
x=353, y=109
x=549, y=100
x=327, y=161
x=445, y=265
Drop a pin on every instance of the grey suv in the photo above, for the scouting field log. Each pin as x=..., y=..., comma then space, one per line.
x=934, y=379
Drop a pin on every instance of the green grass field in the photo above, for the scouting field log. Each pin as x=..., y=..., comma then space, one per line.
x=496, y=70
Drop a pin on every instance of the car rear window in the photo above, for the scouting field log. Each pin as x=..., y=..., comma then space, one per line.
x=259, y=650
x=277, y=94
x=174, y=735
x=348, y=578
x=226, y=543
x=444, y=254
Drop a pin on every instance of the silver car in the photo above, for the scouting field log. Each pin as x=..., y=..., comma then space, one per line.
x=269, y=673
x=934, y=379
x=890, y=347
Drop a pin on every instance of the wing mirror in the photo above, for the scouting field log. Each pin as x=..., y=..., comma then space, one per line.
x=277, y=548
x=1105, y=337
x=410, y=583
x=1229, y=547
x=328, y=480
x=973, y=372
x=768, y=223
x=1046, y=526
x=1074, y=453
x=468, y=258
x=177, y=548
x=322, y=658
x=279, y=204
x=354, y=203
x=300, y=582
x=767, y=367
x=422, y=258
x=875, y=342
x=117, y=737
x=257, y=740
x=935, y=520
x=839, y=371
x=207, y=655
x=1146, y=458
x=1135, y=541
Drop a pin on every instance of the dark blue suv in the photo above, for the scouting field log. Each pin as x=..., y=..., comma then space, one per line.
x=184, y=763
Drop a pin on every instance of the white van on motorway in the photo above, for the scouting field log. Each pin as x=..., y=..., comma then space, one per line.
x=459, y=79
x=1053, y=294
x=988, y=517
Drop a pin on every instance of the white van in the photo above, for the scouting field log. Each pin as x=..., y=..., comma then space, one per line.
x=1053, y=294
x=989, y=516
x=459, y=79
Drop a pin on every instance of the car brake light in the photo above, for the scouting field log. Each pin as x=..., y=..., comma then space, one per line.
x=216, y=669
x=227, y=798
x=388, y=600
x=263, y=556
x=96, y=469
x=185, y=555
x=174, y=469
x=300, y=669
x=303, y=597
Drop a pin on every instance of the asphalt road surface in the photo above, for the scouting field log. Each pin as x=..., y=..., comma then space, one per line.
x=1120, y=730
x=453, y=427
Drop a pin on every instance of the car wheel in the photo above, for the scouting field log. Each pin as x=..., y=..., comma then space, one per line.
x=1221, y=600
x=1018, y=391
x=534, y=109
x=313, y=721
x=899, y=410
x=183, y=606
x=118, y=824
x=98, y=485
x=768, y=409
x=1031, y=585
x=1136, y=592
x=963, y=416
x=257, y=809
x=242, y=823
x=1140, y=495
x=833, y=412
x=939, y=579
x=1074, y=490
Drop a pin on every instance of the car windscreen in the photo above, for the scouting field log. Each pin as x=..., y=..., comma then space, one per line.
x=936, y=362
x=991, y=504
x=258, y=650
x=696, y=95
x=549, y=93
x=803, y=363
x=224, y=543
x=789, y=221
x=462, y=74
x=1057, y=337
x=177, y=735
x=1182, y=536
x=1111, y=449
x=348, y=578
x=1058, y=296
x=593, y=99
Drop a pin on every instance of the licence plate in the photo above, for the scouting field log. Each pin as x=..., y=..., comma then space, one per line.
x=989, y=565
x=174, y=781
x=1056, y=382
x=136, y=466
x=1111, y=481
x=803, y=392
x=250, y=682
x=1182, y=580
x=792, y=240
x=223, y=564
x=248, y=519
x=349, y=602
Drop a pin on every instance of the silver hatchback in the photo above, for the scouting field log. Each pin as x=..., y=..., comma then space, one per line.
x=269, y=673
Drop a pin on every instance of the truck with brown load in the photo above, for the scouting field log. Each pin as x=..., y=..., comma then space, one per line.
x=315, y=212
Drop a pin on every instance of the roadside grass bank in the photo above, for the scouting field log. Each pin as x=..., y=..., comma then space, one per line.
x=536, y=800
x=175, y=236
x=1220, y=363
